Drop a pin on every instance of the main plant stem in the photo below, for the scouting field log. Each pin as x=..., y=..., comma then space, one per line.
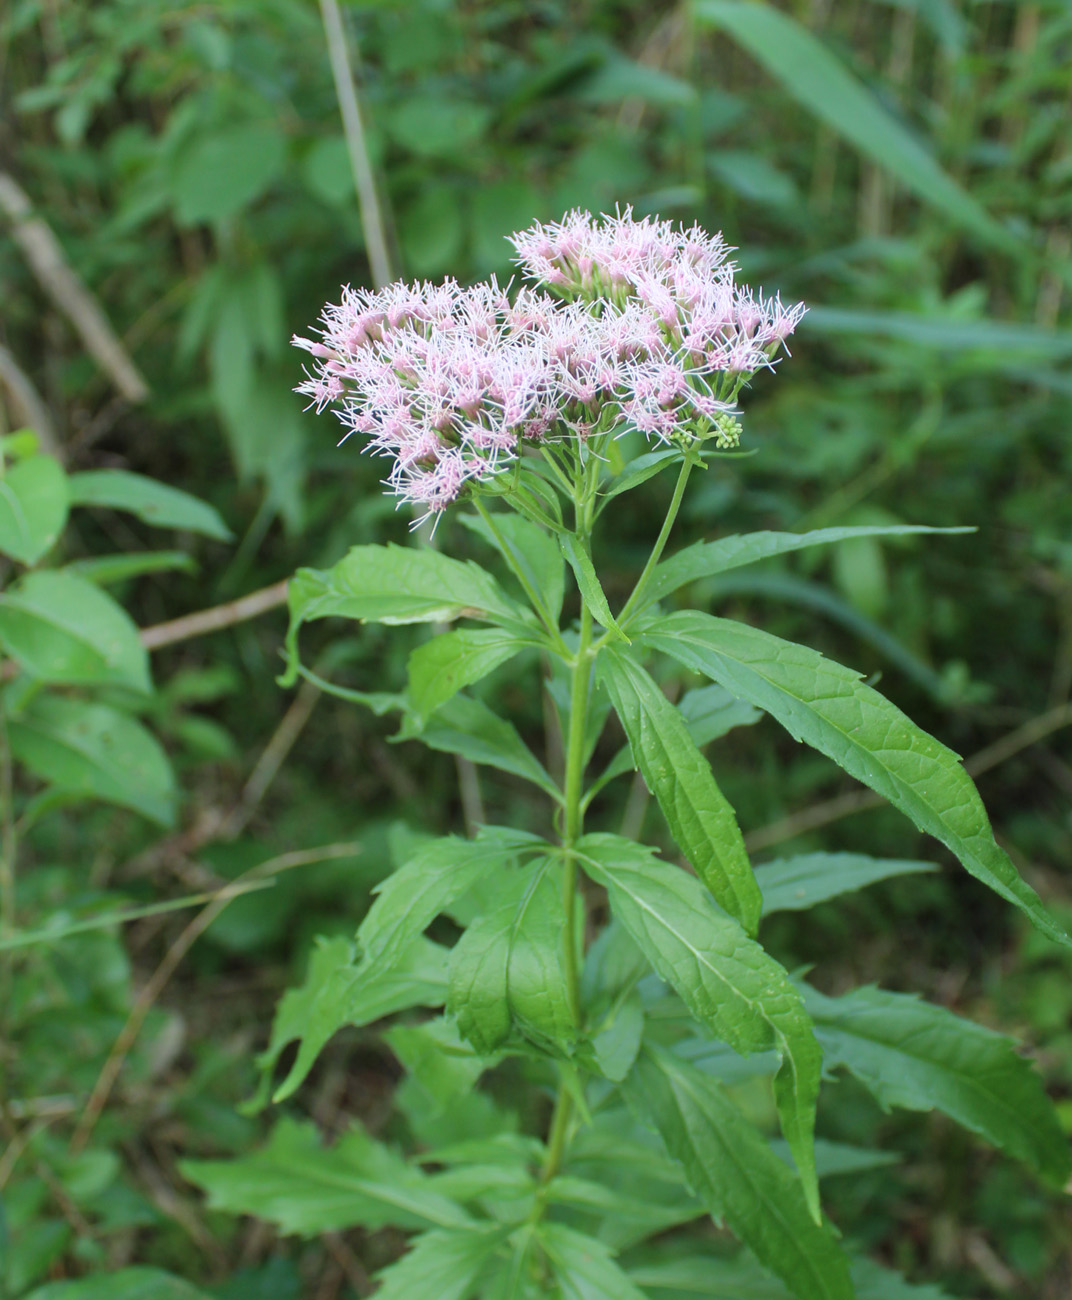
x=572, y=829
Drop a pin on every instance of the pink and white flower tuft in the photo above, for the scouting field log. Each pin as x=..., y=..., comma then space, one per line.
x=644, y=327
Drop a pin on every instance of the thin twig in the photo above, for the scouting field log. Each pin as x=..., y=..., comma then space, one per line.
x=271, y=760
x=102, y=1089
x=350, y=110
x=47, y=260
x=832, y=810
x=216, y=618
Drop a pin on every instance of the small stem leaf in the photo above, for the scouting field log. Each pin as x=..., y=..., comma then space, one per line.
x=395, y=584
x=453, y=660
x=738, y=1177
x=154, y=503
x=699, y=816
x=531, y=549
x=827, y=706
x=584, y=1267
x=443, y=1265
x=639, y=471
x=797, y=883
x=507, y=971
x=62, y=628
x=296, y=1182
x=725, y=979
x=409, y=899
x=919, y=1056
x=468, y=727
x=705, y=559
x=336, y=993
x=34, y=497
x=588, y=583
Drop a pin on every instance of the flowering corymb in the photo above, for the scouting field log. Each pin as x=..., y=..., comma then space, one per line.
x=637, y=324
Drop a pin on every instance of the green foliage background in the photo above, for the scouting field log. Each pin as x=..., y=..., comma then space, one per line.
x=903, y=167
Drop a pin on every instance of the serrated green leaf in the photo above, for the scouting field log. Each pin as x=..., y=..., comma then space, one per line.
x=828, y=706
x=797, y=883
x=584, y=1268
x=706, y=559
x=824, y=86
x=468, y=727
x=508, y=970
x=96, y=752
x=440, y=1266
x=737, y=1176
x=453, y=660
x=33, y=507
x=699, y=816
x=336, y=993
x=533, y=549
x=305, y=1187
x=588, y=584
x=61, y=628
x=918, y=1056
x=409, y=899
x=397, y=584
x=725, y=979
x=152, y=502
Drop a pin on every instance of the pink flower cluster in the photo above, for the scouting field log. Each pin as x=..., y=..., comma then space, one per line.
x=648, y=329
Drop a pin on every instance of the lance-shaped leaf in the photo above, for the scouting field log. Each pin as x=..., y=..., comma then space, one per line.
x=468, y=727
x=453, y=660
x=797, y=883
x=588, y=583
x=724, y=978
x=705, y=559
x=823, y=85
x=396, y=584
x=93, y=751
x=508, y=970
x=734, y=1172
x=409, y=899
x=305, y=1187
x=583, y=1266
x=442, y=1265
x=828, y=706
x=154, y=503
x=698, y=814
x=61, y=628
x=337, y=992
x=912, y=1054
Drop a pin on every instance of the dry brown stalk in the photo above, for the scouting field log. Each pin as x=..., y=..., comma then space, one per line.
x=48, y=262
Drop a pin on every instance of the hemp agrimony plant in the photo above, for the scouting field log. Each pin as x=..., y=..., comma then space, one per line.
x=628, y=985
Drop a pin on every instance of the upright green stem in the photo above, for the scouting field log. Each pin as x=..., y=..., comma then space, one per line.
x=661, y=540
x=572, y=829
